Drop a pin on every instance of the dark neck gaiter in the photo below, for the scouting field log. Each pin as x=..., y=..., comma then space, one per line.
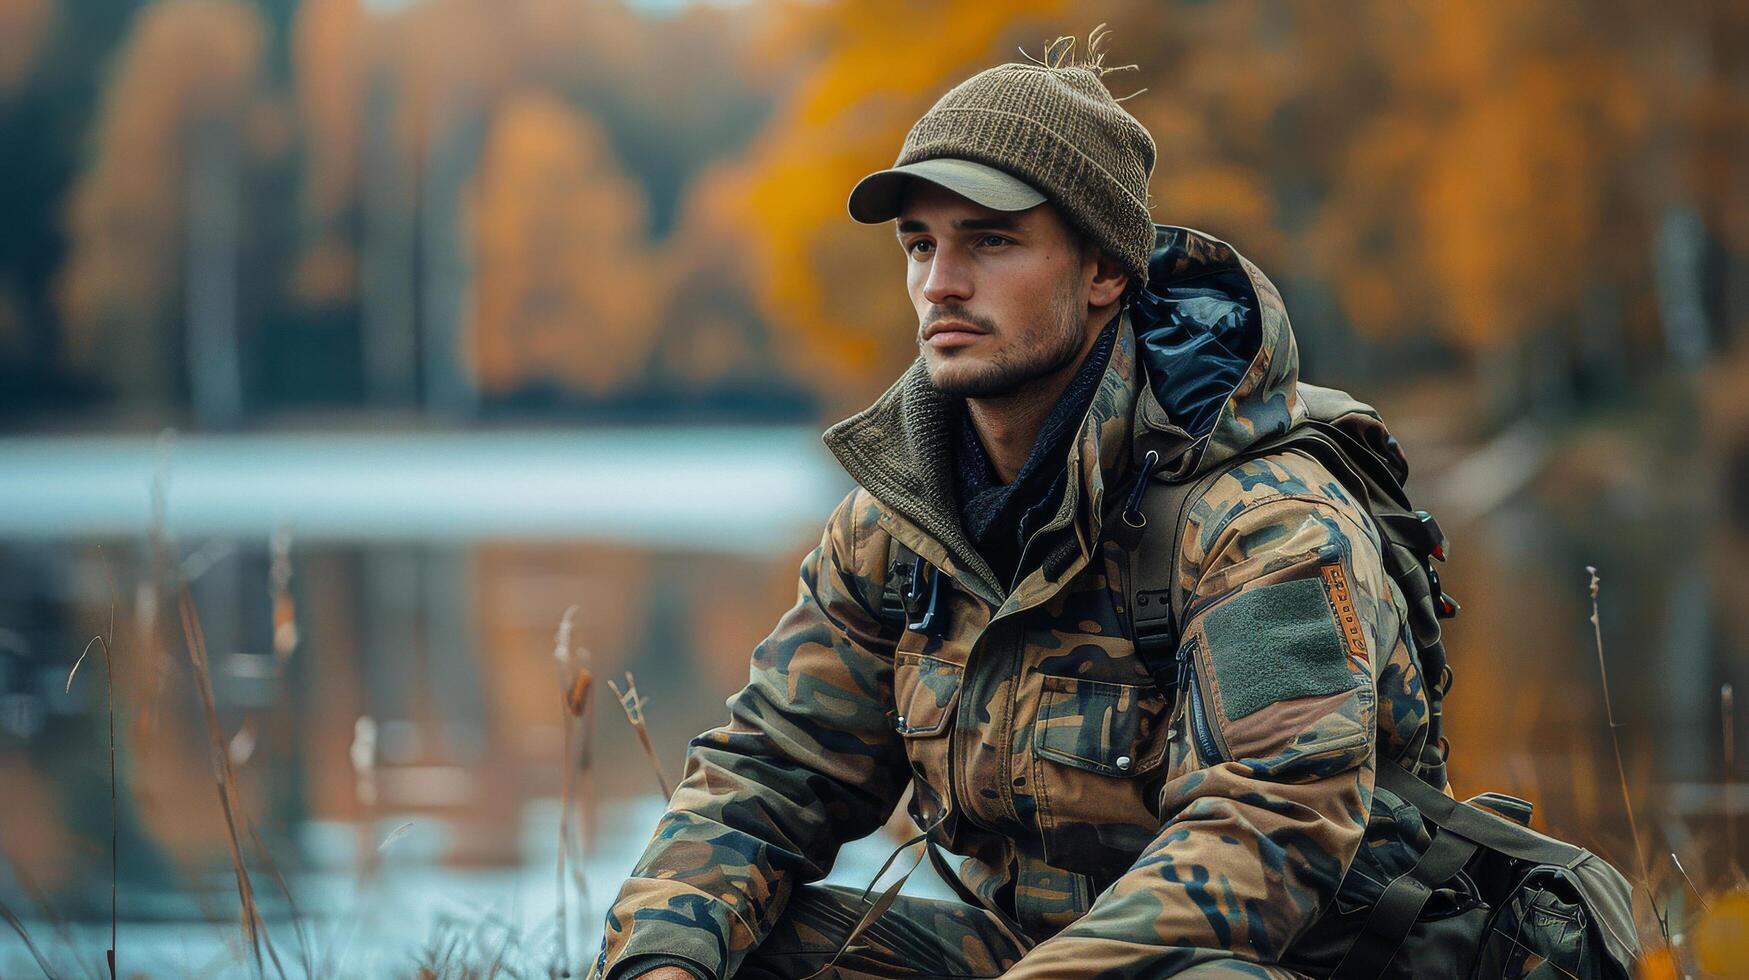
x=1000, y=518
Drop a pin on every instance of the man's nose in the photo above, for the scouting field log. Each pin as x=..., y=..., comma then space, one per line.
x=948, y=280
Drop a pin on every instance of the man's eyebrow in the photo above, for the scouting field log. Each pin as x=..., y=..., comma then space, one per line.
x=1000, y=222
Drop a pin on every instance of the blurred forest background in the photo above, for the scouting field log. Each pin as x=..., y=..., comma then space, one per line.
x=359, y=253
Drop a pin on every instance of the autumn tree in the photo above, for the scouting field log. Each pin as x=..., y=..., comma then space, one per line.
x=844, y=326
x=329, y=61
x=171, y=129
x=23, y=24
x=565, y=283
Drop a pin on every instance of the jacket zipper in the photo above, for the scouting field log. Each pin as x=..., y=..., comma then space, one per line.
x=1206, y=742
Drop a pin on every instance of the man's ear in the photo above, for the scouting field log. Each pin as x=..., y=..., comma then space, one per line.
x=1109, y=280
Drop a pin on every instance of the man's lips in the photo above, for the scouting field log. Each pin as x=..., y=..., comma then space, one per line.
x=951, y=331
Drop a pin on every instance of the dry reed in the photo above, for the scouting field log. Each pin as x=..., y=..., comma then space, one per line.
x=633, y=706
x=36, y=953
x=575, y=684
x=254, y=929
x=1615, y=739
x=1727, y=781
x=106, y=641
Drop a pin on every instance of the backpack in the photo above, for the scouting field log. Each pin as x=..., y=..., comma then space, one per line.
x=1487, y=896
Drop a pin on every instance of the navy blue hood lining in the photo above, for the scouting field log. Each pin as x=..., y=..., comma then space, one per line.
x=1198, y=328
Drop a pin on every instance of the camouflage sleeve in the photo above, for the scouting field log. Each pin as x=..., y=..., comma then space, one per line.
x=807, y=761
x=1289, y=615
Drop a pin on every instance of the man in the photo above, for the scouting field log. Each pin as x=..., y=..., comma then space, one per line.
x=1113, y=821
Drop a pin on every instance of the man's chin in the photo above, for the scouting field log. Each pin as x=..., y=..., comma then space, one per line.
x=964, y=378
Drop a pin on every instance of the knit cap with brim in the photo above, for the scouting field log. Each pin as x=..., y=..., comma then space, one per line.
x=1057, y=129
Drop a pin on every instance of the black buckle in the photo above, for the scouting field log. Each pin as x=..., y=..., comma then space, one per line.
x=1435, y=535
x=1419, y=532
x=1511, y=807
x=893, y=596
x=1444, y=606
x=1156, y=638
x=923, y=613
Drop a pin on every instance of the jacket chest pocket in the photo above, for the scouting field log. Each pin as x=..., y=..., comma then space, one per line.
x=1096, y=744
x=926, y=692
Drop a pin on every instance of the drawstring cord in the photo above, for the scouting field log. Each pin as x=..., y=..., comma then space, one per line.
x=873, y=910
x=1132, y=508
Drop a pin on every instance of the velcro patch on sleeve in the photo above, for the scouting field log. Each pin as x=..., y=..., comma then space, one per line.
x=1276, y=642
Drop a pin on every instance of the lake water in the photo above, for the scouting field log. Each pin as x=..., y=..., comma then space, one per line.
x=428, y=573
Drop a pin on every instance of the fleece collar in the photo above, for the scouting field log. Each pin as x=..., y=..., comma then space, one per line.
x=902, y=450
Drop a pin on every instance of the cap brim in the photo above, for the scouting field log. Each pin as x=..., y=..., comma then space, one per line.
x=876, y=198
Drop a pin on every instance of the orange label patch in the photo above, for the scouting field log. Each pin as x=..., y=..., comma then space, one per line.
x=1342, y=607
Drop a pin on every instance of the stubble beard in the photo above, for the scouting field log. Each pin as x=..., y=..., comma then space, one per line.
x=1011, y=368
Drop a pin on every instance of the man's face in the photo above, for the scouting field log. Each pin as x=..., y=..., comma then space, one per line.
x=1001, y=296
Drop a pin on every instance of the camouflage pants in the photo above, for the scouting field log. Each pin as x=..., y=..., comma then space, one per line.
x=922, y=937
x=915, y=937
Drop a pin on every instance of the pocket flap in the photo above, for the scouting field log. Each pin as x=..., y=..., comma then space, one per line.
x=925, y=691
x=1101, y=726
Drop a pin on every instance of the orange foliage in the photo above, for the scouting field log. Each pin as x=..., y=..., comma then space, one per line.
x=566, y=287
x=328, y=62
x=1721, y=940
x=1463, y=168
x=1711, y=116
x=186, y=62
x=708, y=313
x=1478, y=171
x=23, y=25
x=833, y=290
x=1477, y=195
x=1209, y=118
x=327, y=273
x=446, y=60
x=34, y=828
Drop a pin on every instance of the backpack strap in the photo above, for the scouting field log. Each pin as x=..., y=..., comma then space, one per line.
x=1463, y=829
x=1399, y=905
x=1155, y=601
x=1411, y=541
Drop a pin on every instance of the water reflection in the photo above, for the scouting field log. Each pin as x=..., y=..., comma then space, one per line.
x=444, y=641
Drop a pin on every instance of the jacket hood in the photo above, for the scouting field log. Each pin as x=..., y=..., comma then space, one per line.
x=1204, y=366
x=1221, y=365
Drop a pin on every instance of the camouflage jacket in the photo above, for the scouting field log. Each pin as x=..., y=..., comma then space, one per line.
x=1126, y=832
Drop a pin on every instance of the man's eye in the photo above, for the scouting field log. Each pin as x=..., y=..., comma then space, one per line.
x=918, y=247
x=991, y=241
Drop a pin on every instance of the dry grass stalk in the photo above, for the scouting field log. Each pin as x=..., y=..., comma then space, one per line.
x=36, y=953
x=114, y=810
x=148, y=599
x=254, y=930
x=1701, y=895
x=107, y=642
x=279, y=576
x=300, y=926
x=1728, y=782
x=203, y=559
x=395, y=835
x=456, y=951
x=575, y=683
x=633, y=706
x=1620, y=768
x=63, y=933
x=363, y=755
x=241, y=747
x=334, y=955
